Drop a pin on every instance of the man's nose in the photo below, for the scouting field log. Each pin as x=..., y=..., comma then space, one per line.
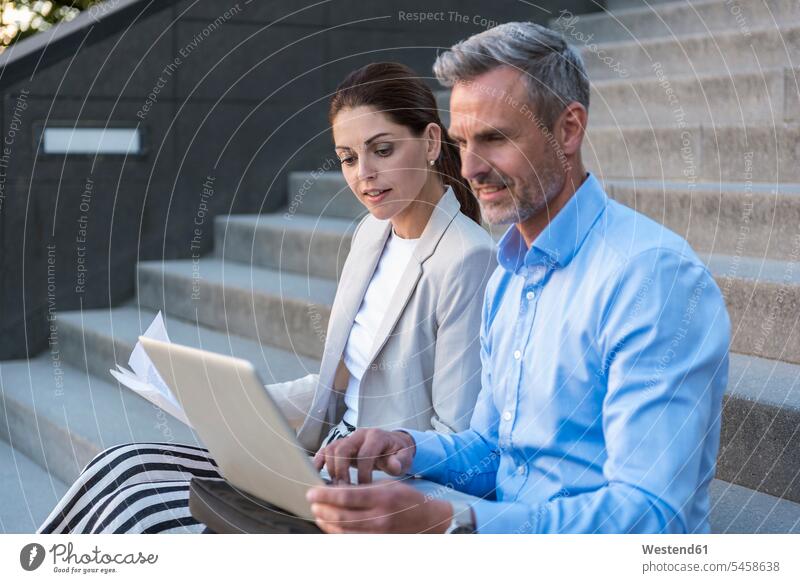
x=473, y=165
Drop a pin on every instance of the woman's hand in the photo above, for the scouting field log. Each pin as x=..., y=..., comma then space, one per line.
x=368, y=449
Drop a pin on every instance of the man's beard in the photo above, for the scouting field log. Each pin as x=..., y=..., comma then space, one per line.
x=518, y=206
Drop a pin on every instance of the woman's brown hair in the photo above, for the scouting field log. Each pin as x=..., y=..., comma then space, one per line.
x=394, y=89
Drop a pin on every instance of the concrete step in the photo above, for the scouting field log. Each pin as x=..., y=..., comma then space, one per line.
x=725, y=52
x=763, y=300
x=739, y=510
x=312, y=245
x=320, y=194
x=760, y=438
x=29, y=492
x=268, y=312
x=95, y=340
x=70, y=434
x=615, y=5
x=286, y=310
x=737, y=99
x=695, y=154
x=640, y=22
x=763, y=296
x=61, y=417
x=744, y=219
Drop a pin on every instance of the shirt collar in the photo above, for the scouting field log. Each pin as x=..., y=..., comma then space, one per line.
x=563, y=236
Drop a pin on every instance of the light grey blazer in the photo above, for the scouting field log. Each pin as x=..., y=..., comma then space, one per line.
x=425, y=369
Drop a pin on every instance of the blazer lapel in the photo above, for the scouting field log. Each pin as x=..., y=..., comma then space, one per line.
x=442, y=216
x=362, y=267
x=348, y=301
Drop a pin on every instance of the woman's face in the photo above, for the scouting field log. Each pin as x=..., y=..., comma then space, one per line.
x=384, y=164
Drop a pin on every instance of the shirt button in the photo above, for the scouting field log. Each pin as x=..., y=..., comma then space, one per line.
x=520, y=470
x=507, y=415
x=517, y=355
x=530, y=295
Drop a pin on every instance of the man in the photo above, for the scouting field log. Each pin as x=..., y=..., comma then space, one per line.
x=604, y=338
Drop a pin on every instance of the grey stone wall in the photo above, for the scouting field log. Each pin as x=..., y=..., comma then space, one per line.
x=230, y=97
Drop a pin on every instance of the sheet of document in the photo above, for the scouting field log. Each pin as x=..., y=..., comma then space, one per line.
x=143, y=378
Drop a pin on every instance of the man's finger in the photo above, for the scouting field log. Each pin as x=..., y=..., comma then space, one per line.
x=352, y=497
x=329, y=459
x=390, y=464
x=319, y=460
x=337, y=519
x=374, y=446
x=347, y=453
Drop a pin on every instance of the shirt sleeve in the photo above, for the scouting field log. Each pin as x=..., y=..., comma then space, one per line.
x=664, y=336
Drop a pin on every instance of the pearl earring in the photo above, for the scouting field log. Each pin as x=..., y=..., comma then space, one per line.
x=432, y=162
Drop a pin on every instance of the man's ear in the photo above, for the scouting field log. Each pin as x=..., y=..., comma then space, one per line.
x=433, y=137
x=571, y=127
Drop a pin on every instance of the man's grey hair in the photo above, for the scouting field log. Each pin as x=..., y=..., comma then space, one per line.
x=553, y=70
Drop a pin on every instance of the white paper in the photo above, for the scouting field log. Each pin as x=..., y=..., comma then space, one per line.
x=143, y=378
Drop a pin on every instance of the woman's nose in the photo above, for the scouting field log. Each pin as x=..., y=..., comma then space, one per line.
x=365, y=170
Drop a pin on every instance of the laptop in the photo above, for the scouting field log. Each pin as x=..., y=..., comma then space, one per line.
x=244, y=430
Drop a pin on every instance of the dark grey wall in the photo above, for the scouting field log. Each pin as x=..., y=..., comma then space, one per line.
x=242, y=96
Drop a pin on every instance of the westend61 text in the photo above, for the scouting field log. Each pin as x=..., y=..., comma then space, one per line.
x=675, y=550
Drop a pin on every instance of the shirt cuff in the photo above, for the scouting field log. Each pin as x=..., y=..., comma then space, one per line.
x=429, y=455
x=503, y=517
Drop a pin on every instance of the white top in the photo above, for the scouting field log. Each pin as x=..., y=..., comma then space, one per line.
x=387, y=274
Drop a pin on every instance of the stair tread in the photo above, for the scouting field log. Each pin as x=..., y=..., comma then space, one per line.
x=123, y=326
x=681, y=39
x=649, y=9
x=92, y=410
x=777, y=126
x=699, y=77
x=753, y=268
x=768, y=382
x=756, y=268
x=247, y=277
x=736, y=509
x=298, y=222
x=29, y=492
x=787, y=189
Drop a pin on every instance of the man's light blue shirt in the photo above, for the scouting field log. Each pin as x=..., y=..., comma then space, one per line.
x=605, y=357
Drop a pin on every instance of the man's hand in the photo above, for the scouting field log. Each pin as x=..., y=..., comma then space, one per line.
x=388, y=506
x=368, y=449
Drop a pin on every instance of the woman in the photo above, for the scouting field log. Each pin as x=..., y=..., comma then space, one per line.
x=402, y=348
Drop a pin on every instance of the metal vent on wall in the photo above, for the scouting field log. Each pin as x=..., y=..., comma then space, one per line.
x=70, y=140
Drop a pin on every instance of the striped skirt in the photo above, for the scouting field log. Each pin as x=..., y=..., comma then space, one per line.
x=139, y=488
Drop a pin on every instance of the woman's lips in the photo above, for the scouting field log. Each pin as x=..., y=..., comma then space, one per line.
x=378, y=198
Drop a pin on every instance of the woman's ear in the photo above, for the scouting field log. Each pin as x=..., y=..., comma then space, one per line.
x=433, y=139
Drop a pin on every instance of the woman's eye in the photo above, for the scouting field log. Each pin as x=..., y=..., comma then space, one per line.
x=383, y=152
x=347, y=161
